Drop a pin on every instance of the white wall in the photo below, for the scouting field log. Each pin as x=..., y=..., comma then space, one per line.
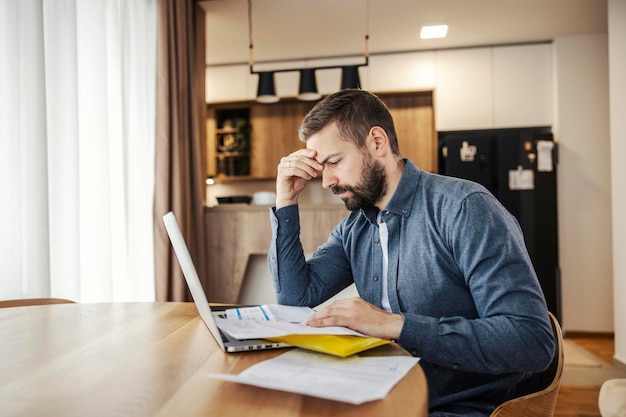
x=584, y=181
x=617, y=79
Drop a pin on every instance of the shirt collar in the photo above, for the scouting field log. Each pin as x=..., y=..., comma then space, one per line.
x=401, y=202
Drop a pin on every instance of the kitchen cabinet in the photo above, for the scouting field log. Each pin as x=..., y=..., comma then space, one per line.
x=463, y=89
x=228, y=141
x=496, y=87
x=522, y=86
x=232, y=142
x=274, y=132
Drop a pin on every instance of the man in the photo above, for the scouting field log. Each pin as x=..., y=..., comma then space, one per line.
x=439, y=264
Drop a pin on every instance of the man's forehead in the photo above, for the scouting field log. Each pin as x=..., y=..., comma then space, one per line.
x=328, y=143
x=323, y=149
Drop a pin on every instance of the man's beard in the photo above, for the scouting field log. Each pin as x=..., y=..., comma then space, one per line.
x=370, y=189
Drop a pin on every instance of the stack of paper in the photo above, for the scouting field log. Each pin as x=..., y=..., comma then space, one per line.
x=286, y=324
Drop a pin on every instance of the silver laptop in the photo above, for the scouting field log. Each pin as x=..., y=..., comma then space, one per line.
x=226, y=342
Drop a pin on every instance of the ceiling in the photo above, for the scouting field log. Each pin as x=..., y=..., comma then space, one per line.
x=284, y=30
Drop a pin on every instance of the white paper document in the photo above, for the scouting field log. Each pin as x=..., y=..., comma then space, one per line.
x=273, y=320
x=544, y=158
x=256, y=329
x=269, y=312
x=521, y=179
x=355, y=379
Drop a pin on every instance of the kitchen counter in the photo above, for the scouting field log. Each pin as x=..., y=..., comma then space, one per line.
x=235, y=232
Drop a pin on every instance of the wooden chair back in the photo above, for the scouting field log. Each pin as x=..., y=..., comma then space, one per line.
x=33, y=302
x=543, y=402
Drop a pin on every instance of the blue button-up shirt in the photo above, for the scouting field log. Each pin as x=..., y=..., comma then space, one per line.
x=458, y=272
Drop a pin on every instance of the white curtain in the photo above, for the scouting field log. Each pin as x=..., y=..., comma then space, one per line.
x=77, y=110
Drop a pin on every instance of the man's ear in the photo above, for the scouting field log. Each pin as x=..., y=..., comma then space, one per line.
x=379, y=140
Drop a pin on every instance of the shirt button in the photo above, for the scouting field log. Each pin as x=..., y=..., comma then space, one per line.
x=456, y=366
x=375, y=278
x=405, y=211
x=287, y=220
x=376, y=240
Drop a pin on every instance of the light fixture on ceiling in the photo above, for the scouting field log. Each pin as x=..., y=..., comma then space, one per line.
x=266, y=91
x=308, y=85
x=434, y=31
x=350, y=77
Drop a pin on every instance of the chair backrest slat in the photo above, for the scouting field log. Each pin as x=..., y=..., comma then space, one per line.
x=541, y=403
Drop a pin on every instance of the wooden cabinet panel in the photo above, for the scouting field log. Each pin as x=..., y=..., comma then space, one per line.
x=414, y=122
x=275, y=134
x=223, y=233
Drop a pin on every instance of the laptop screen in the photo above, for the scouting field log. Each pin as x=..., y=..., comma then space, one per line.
x=191, y=275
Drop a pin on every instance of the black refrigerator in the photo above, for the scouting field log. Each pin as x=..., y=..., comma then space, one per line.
x=519, y=167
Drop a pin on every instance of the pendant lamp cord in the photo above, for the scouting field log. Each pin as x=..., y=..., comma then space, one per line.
x=367, y=31
x=250, y=44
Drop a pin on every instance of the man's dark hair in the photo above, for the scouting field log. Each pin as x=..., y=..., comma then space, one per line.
x=355, y=112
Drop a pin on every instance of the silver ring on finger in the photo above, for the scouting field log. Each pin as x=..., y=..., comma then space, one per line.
x=289, y=163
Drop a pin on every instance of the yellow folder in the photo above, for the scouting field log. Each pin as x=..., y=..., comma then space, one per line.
x=338, y=345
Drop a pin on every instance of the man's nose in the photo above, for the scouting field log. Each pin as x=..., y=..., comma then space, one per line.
x=328, y=180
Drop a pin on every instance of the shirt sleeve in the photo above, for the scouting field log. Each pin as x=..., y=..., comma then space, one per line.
x=298, y=281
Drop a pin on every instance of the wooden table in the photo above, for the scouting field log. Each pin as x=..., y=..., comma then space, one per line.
x=148, y=359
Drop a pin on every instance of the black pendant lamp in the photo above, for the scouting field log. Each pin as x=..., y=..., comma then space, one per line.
x=350, y=77
x=266, y=92
x=308, y=85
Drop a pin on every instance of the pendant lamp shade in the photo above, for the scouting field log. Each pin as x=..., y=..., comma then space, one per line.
x=266, y=92
x=350, y=77
x=308, y=85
